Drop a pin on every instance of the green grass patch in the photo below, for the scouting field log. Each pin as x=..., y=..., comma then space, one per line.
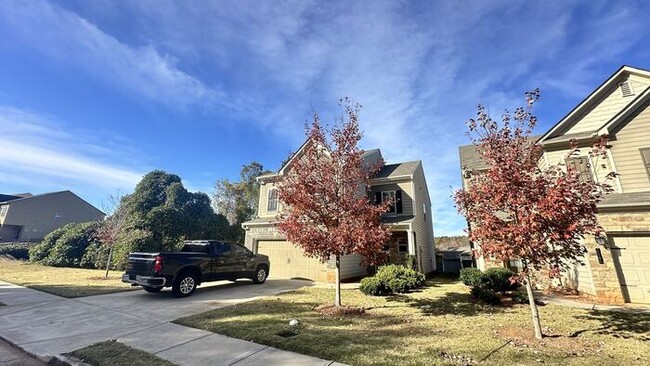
x=112, y=353
x=66, y=282
x=440, y=325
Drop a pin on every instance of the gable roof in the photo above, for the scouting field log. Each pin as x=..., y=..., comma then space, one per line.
x=398, y=170
x=470, y=157
x=597, y=93
x=7, y=197
x=28, y=196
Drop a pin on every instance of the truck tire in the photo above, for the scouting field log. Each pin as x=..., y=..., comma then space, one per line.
x=261, y=273
x=184, y=284
x=153, y=290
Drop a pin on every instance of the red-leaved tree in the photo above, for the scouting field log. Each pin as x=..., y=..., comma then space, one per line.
x=519, y=209
x=324, y=195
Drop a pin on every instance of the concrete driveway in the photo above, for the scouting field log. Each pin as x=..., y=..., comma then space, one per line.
x=48, y=325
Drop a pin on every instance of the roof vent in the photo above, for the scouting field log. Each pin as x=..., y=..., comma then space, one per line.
x=626, y=89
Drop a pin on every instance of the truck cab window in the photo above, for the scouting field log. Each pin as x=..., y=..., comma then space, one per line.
x=222, y=249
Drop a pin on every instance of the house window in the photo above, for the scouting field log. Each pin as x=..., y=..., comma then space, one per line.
x=402, y=245
x=581, y=165
x=645, y=154
x=273, y=200
x=389, y=196
x=424, y=212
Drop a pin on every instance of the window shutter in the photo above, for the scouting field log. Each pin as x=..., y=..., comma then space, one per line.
x=398, y=201
x=645, y=152
x=377, y=198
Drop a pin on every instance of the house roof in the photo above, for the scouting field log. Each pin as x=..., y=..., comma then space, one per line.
x=470, y=158
x=398, y=170
x=7, y=197
x=625, y=200
x=390, y=220
x=23, y=197
x=598, y=92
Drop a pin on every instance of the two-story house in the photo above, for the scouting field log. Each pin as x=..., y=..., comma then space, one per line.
x=410, y=220
x=616, y=266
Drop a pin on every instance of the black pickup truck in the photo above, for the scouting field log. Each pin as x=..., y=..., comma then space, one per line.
x=197, y=262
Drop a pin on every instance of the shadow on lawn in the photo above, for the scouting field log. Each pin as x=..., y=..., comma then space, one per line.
x=618, y=324
x=455, y=303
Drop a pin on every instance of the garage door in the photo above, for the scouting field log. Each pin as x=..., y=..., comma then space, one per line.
x=632, y=259
x=288, y=261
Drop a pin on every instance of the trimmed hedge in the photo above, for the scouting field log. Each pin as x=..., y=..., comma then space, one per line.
x=485, y=285
x=18, y=251
x=392, y=279
x=65, y=247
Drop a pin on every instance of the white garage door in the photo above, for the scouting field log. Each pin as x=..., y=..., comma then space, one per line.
x=288, y=261
x=632, y=258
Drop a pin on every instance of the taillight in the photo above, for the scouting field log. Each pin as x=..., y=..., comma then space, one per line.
x=157, y=264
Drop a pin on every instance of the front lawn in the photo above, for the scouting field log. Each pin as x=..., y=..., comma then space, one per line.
x=440, y=325
x=66, y=282
x=112, y=353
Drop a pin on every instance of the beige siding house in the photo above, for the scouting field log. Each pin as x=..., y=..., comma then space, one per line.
x=29, y=217
x=410, y=221
x=618, y=269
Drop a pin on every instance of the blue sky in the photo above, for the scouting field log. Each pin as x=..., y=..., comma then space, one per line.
x=93, y=94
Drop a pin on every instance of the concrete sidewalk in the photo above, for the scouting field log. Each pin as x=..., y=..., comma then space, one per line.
x=561, y=300
x=48, y=325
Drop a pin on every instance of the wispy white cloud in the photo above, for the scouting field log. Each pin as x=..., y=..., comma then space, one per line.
x=419, y=70
x=38, y=150
x=139, y=69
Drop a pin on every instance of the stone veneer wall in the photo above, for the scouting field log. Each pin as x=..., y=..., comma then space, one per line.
x=605, y=278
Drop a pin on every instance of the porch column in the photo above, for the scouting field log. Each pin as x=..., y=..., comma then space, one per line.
x=411, y=242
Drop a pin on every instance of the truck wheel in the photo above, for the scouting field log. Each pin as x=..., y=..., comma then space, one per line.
x=153, y=290
x=260, y=274
x=184, y=285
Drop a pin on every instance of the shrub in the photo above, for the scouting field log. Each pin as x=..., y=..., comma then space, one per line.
x=471, y=277
x=373, y=286
x=95, y=256
x=18, y=251
x=485, y=295
x=400, y=279
x=520, y=298
x=71, y=246
x=38, y=252
x=498, y=280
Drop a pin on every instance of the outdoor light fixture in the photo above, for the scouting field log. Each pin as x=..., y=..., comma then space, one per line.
x=601, y=240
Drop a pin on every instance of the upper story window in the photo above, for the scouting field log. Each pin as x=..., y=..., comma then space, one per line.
x=645, y=154
x=395, y=196
x=582, y=166
x=273, y=200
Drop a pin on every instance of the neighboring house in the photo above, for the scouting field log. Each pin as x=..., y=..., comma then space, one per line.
x=617, y=264
x=453, y=254
x=27, y=217
x=410, y=222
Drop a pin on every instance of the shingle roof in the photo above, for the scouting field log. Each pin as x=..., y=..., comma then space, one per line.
x=470, y=158
x=7, y=197
x=397, y=170
x=19, y=198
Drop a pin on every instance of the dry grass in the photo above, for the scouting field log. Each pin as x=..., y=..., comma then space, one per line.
x=112, y=353
x=66, y=282
x=437, y=326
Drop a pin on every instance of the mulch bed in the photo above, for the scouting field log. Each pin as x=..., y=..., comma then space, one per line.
x=331, y=310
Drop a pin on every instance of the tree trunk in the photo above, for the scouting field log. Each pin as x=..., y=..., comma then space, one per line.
x=533, y=307
x=108, y=262
x=337, y=298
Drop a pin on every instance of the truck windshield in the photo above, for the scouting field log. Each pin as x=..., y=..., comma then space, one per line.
x=195, y=248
